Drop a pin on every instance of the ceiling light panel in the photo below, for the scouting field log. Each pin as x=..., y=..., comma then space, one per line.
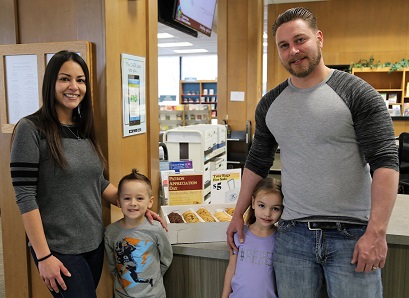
x=174, y=44
x=191, y=51
x=164, y=35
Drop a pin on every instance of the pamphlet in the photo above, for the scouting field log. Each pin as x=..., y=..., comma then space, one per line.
x=396, y=110
x=185, y=189
x=225, y=186
x=180, y=165
x=392, y=97
x=165, y=185
x=406, y=109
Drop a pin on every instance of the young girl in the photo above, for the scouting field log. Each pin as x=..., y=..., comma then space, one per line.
x=250, y=271
x=138, y=252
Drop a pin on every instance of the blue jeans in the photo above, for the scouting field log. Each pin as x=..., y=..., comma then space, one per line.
x=304, y=261
x=85, y=272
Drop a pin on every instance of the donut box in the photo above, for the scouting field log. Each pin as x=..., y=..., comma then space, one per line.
x=196, y=224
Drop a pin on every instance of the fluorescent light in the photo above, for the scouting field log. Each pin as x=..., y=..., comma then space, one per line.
x=190, y=51
x=165, y=35
x=174, y=44
x=264, y=35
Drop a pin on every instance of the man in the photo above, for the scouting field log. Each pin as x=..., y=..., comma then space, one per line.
x=333, y=130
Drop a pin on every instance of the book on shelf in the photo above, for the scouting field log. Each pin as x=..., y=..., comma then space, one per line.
x=396, y=110
x=392, y=97
x=171, y=108
x=406, y=109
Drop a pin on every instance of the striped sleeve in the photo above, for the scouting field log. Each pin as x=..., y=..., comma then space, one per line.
x=24, y=165
x=264, y=145
x=372, y=122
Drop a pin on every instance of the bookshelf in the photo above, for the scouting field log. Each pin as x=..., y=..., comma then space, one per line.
x=393, y=86
x=182, y=115
x=199, y=93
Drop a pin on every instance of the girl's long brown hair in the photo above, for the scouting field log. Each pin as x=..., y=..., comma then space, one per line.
x=268, y=185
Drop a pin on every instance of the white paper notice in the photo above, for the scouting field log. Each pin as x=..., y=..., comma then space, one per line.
x=22, y=86
x=236, y=96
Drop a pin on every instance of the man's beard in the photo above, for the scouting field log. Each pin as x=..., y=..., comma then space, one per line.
x=305, y=72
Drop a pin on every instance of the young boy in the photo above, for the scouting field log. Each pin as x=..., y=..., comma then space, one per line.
x=138, y=252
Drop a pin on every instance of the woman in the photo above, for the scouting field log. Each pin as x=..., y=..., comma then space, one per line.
x=57, y=173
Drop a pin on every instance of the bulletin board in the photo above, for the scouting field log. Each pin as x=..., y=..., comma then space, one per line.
x=22, y=68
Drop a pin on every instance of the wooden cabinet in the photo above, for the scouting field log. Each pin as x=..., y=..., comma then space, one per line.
x=182, y=115
x=393, y=86
x=199, y=92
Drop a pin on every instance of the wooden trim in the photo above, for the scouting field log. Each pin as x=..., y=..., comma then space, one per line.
x=152, y=93
x=8, y=22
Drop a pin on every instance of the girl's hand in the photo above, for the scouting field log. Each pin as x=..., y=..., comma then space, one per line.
x=154, y=216
x=50, y=272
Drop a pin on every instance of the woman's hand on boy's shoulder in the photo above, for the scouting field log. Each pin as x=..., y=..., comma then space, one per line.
x=154, y=216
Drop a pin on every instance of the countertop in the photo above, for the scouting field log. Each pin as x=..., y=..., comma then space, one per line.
x=398, y=228
x=397, y=233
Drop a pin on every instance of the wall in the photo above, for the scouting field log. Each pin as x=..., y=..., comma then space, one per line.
x=240, y=50
x=352, y=30
x=131, y=27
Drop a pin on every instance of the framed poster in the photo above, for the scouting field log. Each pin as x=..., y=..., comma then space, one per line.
x=133, y=94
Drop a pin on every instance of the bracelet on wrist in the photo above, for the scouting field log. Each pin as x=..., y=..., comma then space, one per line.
x=44, y=258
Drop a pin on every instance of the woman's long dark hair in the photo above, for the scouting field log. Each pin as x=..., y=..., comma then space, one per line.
x=46, y=118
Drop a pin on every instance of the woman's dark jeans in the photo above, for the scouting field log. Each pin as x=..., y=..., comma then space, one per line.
x=85, y=272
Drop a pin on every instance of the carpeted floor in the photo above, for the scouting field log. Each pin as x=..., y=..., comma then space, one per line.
x=2, y=289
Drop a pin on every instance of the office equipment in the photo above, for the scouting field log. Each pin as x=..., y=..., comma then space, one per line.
x=238, y=146
x=404, y=162
x=200, y=144
x=166, y=11
x=198, y=16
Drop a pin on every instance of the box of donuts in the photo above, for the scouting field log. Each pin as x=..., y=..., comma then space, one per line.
x=197, y=223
